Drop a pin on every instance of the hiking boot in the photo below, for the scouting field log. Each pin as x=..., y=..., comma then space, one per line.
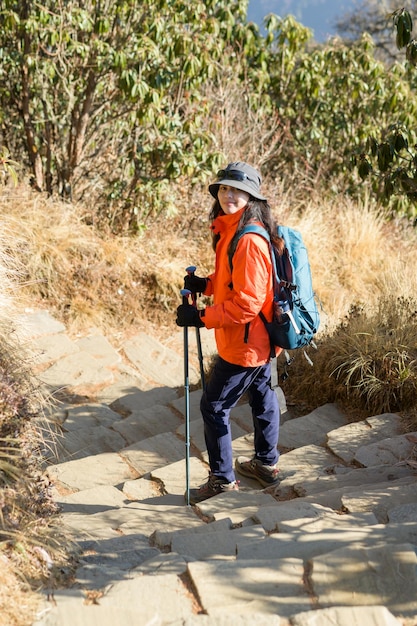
x=212, y=487
x=267, y=475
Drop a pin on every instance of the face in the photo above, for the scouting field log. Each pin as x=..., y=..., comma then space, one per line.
x=231, y=199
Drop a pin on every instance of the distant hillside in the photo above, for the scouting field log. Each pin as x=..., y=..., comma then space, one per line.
x=319, y=15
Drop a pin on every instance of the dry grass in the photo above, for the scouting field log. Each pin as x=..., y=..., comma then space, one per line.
x=363, y=271
x=32, y=546
x=17, y=601
x=367, y=363
x=122, y=284
x=27, y=512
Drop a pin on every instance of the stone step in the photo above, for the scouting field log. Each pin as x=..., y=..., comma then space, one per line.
x=311, y=428
x=345, y=441
x=306, y=545
x=338, y=531
x=153, y=453
x=351, y=478
x=379, y=574
x=162, y=365
x=145, y=423
x=107, y=468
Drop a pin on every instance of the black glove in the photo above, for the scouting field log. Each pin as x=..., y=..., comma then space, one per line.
x=187, y=315
x=195, y=284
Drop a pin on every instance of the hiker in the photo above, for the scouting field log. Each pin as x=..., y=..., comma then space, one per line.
x=244, y=350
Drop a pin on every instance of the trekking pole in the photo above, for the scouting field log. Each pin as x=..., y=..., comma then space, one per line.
x=190, y=271
x=185, y=293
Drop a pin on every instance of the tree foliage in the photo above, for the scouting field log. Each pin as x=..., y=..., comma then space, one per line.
x=389, y=155
x=107, y=94
x=110, y=101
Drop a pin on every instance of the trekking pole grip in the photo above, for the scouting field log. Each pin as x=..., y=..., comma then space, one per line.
x=191, y=272
x=185, y=295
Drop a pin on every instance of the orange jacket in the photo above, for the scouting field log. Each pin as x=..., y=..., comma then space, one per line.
x=240, y=295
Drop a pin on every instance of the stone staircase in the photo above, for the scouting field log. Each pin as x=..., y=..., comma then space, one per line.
x=334, y=544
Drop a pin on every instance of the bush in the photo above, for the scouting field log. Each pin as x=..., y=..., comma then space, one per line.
x=367, y=363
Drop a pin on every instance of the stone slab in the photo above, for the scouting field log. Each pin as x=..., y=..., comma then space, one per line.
x=127, y=381
x=388, y=451
x=92, y=500
x=402, y=532
x=253, y=586
x=225, y=504
x=77, y=371
x=156, y=597
x=154, y=452
x=242, y=415
x=403, y=513
x=194, y=405
x=271, y=516
x=173, y=476
x=347, y=616
x=107, y=468
x=135, y=602
x=310, y=458
x=232, y=619
x=299, y=464
x=82, y=614
x=355, y=575
x=345, y=441
x=303, y=546
x=91, y=414
x=163, y=539
x=109, y=561
x=197, y=439
x=327, y=521
x=161, y=364
x=334, y=498
x=95, y=524
x=122, y=526
x=381, y=499
x=79, y=527
x=216, y=544
x=49, y=349
x=159, y=514
x=162, y=564
x=140, y=489
x=208, y=343
x=359, y=477
x=39, y=322
x=140, y=397
x=146, y=423
x=101, y=349
x=90, y=441
x=311, y=428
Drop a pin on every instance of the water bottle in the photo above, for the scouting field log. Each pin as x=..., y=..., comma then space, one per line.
x=284, y=307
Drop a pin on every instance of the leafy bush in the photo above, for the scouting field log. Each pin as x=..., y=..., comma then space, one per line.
x=130, y=98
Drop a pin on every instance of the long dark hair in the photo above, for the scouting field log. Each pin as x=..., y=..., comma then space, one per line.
x=255, y=211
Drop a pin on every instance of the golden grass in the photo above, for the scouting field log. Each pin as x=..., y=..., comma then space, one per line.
x=122, y=283
x=26, y=508
x=18, y=603
x=364, y=272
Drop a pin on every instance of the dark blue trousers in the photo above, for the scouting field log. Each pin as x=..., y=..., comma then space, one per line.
x=224, y=389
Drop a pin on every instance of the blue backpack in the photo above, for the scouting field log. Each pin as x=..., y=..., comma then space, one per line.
x=296, y=317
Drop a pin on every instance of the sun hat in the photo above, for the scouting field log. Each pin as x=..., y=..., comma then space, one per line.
x=241, y=176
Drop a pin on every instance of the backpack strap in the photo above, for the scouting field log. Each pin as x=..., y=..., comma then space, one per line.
x=258, y=230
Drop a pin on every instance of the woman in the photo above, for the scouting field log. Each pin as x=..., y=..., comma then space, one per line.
x=243, y=366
